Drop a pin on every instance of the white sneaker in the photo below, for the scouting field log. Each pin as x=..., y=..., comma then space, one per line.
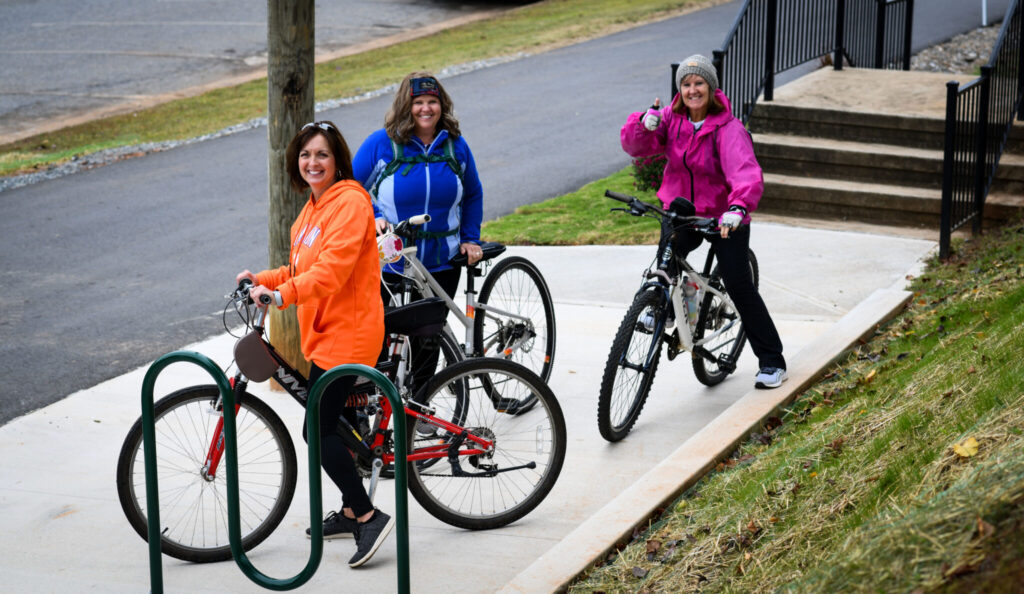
x=770, y=377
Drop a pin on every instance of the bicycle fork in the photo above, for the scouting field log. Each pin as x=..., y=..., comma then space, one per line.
x=216, y=451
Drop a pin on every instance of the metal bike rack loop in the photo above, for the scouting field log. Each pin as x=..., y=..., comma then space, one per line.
x=231, y=451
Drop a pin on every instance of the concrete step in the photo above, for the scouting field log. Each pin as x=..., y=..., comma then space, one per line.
x=916, y=131
x=808, y=156
x=848, y=200
x=870, y=202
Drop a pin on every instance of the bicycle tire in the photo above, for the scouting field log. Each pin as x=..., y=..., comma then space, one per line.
x=193, y=510
x=712, y=314
x=502, y=490
x=624, y=388
x=517, y=286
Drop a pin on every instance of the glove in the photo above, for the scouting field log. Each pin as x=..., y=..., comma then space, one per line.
x=651, y=120
x=731, y=219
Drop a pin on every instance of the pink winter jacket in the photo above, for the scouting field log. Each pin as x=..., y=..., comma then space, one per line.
x=715, y=169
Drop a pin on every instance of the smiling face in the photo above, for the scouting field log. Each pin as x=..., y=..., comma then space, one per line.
x=696, y=96
x=316, y=165
x=426, y=113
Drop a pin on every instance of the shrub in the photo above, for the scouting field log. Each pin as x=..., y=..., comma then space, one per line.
x=647, y=172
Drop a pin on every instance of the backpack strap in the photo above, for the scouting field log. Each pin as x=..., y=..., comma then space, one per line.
x=400, y=159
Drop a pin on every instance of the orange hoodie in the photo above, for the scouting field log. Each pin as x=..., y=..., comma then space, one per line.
x=334, y=278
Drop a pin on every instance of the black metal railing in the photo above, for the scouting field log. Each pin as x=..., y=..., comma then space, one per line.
x=772, y=36
x=979, y=116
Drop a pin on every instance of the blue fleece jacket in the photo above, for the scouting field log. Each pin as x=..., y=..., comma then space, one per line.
x=454, y=205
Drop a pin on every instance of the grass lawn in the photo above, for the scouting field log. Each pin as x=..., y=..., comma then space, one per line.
x=901, y=471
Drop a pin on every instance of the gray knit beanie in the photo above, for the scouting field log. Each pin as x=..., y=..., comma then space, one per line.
x=699, y=65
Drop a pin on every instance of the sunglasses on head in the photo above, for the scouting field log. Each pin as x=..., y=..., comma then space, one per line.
x=321, y=125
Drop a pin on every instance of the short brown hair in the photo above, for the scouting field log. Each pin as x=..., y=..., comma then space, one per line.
x=399, y=123
x=335, y=141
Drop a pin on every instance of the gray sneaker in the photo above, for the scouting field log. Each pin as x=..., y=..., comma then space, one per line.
x=370, y=536
x=336, y=525
x=770, y=377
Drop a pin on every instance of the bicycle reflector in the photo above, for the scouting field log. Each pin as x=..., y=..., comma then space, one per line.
x=389, y=248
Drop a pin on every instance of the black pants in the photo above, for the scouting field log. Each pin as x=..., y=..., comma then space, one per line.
x=425, y=351
x=335, y=458
x=734, y=266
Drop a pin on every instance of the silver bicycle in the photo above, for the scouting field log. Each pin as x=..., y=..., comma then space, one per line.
x=676, y=306
x=513, y=317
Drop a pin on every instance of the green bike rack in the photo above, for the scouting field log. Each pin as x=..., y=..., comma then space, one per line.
x=315, y=496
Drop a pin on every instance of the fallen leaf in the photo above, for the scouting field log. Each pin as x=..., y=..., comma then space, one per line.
x=871, y=376
x=985, y=529
x=967, y=448
x=639, y=572
x=653, y=546
x=972, y=369
x=773, y=520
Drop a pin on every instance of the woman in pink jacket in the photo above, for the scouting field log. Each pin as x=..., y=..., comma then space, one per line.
x=710, y=161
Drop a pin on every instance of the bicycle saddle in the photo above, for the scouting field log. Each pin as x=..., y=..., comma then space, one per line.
x=425, y=317
x=490, y=249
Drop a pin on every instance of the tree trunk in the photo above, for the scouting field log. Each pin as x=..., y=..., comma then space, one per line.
x=290, y=47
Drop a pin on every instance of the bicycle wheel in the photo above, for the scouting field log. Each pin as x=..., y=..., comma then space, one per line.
x=193, y=509
x=631, y=365
x=515, y=286
x=716, y=315
x=504, y=484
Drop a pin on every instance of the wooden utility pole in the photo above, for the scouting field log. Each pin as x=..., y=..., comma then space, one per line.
x=290, y=46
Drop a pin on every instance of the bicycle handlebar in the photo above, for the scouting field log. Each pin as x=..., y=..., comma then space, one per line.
x=639, y=208
x=407, y=228
x=242, y=292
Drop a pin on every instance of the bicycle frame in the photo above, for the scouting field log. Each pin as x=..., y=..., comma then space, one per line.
x=297, y=386
x=428, y=287
x=657, y=277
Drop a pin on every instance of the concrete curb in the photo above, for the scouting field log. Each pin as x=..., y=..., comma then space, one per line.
x=614, y=523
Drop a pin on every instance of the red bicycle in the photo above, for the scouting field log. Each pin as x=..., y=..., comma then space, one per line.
x=476, y=459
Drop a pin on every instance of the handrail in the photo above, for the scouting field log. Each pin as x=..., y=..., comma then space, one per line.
x=769, y=37
x=231, y=451
x=979, y=116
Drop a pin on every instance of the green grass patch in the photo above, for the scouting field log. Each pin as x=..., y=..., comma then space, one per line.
x=531, y=28
x=582, y=217
x=901, y=470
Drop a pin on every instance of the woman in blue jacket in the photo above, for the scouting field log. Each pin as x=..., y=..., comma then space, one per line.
x=433, y=172
x=420, y=163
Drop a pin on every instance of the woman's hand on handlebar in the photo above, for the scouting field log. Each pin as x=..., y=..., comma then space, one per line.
x=246, y=275
x=473, y=252
x=257, y=295
x=382, y=225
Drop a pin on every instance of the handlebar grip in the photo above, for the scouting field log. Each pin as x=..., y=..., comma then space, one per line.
x=266, y=299
x=419, y=219
x=618, y=196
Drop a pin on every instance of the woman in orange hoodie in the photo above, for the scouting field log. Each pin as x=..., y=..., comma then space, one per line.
x=333, y=279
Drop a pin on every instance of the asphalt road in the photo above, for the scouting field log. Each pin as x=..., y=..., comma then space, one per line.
x=108, y=269
x=65, y=57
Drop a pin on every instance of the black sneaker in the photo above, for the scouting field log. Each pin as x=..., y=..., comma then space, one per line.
x=369, y=537
x=336, y=525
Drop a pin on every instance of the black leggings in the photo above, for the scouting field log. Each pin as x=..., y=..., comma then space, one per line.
x=734, y=266
x=335, y=458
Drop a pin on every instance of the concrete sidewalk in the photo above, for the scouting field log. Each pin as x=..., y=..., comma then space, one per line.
x=62, y=529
